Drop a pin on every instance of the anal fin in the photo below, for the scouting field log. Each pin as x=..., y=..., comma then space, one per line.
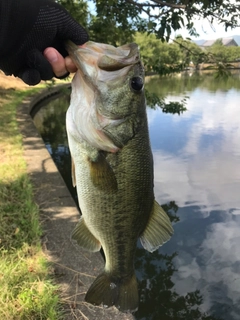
x=158, y=230
x=84, y=238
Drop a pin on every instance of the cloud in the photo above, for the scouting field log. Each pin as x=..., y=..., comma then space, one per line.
x=216, y=270
x=206, y=170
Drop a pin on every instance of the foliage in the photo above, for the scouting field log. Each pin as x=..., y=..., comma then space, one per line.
x=165, y=58
x=113, y=22
x=157, y=56
x=172, y=107
x=115, y=18
x=27, y=293
x=117, y=22
x=221, y=70
x=191, y=52
x=220, y=53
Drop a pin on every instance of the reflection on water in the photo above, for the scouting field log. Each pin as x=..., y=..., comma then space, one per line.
x=196, y=275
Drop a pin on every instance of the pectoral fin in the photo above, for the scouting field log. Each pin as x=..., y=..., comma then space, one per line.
x=158, y=229
x=73, y=173
x=85, y=238
x=102, y=174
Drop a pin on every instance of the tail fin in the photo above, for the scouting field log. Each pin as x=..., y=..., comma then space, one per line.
x=109, y=290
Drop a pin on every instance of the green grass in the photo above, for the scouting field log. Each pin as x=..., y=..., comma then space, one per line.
x=27, y=291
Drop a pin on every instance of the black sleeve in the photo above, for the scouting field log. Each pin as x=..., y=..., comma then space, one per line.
x=27, y=27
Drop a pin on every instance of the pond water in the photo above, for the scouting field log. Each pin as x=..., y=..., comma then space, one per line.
x=196, y=275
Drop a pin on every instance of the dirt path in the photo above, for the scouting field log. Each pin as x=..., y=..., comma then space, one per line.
x=10, y=82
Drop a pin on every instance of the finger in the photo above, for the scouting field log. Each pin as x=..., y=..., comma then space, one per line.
x=56, y=61
x=30, y=76
x=35, y=60
x=71, y=67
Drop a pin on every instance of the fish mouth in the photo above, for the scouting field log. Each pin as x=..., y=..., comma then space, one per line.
x=93, y=55
x=102, y=68
x=126, y=55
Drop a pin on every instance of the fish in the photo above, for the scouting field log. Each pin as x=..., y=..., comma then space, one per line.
x=112, y=167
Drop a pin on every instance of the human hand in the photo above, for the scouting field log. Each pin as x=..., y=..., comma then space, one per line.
x=29, y=51
x=61, y=66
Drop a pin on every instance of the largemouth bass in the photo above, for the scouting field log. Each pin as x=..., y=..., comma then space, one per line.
x=112, y=167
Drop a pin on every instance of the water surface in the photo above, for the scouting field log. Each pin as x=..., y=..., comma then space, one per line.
x=196, y=275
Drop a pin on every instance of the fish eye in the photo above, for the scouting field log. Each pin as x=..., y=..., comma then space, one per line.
x=136, y=83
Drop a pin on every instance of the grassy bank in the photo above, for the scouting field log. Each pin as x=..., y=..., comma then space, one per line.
x=26, y=290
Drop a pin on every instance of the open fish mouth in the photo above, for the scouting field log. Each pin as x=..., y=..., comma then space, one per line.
x=91, y=56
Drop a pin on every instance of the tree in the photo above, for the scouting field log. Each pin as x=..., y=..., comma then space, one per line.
x=113, y=22
x=157, y=56
x=223, y=53
x=117, y=20
x=163, y=17
x=191, y=52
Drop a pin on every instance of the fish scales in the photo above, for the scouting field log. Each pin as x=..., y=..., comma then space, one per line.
x=113, y=168
x=117, y=206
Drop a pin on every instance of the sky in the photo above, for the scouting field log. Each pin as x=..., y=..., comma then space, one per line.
x=207, y=32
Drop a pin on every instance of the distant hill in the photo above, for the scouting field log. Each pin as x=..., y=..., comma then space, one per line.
x=199, y=42
x=237, y=39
